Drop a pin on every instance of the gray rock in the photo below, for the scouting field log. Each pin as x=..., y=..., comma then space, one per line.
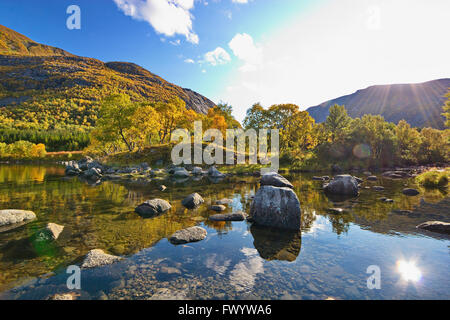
x=218, y=208
x=192, y=201
x=162, y=187
x=372, y=178
x=435, y=226
x=276, y=207
x=318, y=178
x=192, y=234
x=378, y=188
x=181, y=173
x=12, y=218
x=342, y=185
x=235, y=216
x=276, y=180
x=213, y=172
x=197, y=171
x=359, y=180
x=92, y=173
x=151, y=208
x=410, y=192
x=97, y=258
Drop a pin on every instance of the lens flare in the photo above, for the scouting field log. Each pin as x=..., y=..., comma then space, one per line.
x=409, y=271
x=362, y=151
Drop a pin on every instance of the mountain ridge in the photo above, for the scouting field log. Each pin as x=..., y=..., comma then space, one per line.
x=47, y=85
x=420, y=104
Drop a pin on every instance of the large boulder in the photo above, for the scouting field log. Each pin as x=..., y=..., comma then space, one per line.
x=192, y=201
x=435, y=226
x=97, y=258
x=342, y=185
x=276, y=207
x=12, y=218
x=192, y=234
x=152, y=208
x=276, y=180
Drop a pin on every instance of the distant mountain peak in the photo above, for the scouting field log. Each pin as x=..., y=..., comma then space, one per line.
x=420, y=104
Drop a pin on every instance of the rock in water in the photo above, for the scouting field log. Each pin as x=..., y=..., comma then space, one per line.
x=213, y=172
x=343, y=185
x=236, y=216
x=152, y=208
x=192, y=201
x=276, y=207
x=192, y=234
x=49, y=233
x=435, y=226
x=12, y=218
x=181, y=173
x=97, y=258
x=197, y=171
x=276, y=180
x=218, y=208
x=410, y=192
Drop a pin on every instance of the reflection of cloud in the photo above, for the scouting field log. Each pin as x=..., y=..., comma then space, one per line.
x=213, y=262
x=243, y=275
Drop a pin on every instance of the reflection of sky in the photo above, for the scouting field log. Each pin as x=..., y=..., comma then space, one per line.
x=243, y=275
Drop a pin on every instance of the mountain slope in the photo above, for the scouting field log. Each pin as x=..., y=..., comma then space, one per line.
x=47, y=87
x=419, y=104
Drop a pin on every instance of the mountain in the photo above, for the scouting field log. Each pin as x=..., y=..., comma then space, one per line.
x=43, y=86
x=419, y=104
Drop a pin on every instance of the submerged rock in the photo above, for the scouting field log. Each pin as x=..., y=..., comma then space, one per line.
x=336, y=210
x=276, y=180
x=342, y=185
x=49, y=233
x=378, y=188
x=13, y=218
x=224, y=201
x=410, y=192
x=236, y=216
x=97, y=258
x=192, y=234
x=181, y=173
x=197, y=171
x=372, y=178
x=435, y=226
x=218, y=208
x=192, y=201
x=276, y=207
x=151, y=208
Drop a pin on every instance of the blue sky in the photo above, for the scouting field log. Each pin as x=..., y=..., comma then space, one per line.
x=242, y=52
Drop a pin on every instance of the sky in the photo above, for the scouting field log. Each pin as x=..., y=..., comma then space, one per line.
x=246, y=51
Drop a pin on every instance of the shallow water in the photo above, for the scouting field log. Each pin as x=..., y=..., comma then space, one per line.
x=328, y=258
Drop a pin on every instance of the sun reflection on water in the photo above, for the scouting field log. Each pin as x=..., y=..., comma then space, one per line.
x=409, y=271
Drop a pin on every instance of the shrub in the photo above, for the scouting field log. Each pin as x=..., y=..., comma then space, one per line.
x=434, y=179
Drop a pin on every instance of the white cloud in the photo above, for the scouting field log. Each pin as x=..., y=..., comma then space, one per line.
x=217, y=56
x=239, y=1
x=339, y=47
x=189, y=61
x=245, y=49
x=167, y=17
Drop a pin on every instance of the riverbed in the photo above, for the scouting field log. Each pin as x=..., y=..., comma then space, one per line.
x=328, y=259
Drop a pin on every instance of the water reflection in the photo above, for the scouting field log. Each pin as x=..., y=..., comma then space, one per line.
x=275, y=244
x=409, y=271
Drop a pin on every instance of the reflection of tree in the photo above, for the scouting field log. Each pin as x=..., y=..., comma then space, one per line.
x=276, y=244
x=340, y=223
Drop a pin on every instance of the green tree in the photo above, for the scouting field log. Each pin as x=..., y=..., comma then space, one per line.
x=446, y=108
x=337, y=123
